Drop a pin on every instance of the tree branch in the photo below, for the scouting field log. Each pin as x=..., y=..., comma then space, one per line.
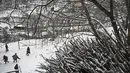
x=100, y=7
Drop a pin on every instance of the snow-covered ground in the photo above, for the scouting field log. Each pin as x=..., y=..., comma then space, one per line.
x=28, y=64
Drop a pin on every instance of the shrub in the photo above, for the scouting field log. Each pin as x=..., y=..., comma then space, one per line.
x=89, y=56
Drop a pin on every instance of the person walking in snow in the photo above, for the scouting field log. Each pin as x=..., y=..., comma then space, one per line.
x=28, y=51
x=5, y=58
x=6, y=48
x=15, y=57
x=16, y=68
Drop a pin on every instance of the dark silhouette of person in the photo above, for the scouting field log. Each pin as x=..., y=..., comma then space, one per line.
x=16, y=68
x=28, y=51
x=5, y=58
x=15, y=57
x=6, y=48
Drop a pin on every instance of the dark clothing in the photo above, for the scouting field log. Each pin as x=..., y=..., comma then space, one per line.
x=16, y=68
x=6, y=47
x=5, y=58
x=28, y=51
x=15, y=57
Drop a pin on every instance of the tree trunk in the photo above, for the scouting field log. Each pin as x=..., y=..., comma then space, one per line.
x=109, y=14
x=89, y=20
x=128, y=20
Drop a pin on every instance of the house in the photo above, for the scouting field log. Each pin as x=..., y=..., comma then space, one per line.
x=4, y=26
x=12, y=16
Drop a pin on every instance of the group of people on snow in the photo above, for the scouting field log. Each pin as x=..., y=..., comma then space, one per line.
x=15, y=56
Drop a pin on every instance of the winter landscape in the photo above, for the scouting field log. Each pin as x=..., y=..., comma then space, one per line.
x=29, y=63
x=64, y=36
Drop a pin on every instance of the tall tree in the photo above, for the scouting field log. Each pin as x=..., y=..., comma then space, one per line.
x=128, y=19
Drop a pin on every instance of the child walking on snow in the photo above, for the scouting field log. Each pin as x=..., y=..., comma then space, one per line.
x=28, y=51
x=15, y=57
x=5, y=58
x=6, y=48
x=16, y=68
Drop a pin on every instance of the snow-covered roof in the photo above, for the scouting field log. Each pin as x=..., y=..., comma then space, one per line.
x=20, y=25
x=17, y=14
x=12, y=12
x=4, y=25
x=4, y=13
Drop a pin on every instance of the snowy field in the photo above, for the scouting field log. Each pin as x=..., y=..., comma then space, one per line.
x=28, y=64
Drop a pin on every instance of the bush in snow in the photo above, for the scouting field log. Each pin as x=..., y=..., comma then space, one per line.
x=89, y=56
